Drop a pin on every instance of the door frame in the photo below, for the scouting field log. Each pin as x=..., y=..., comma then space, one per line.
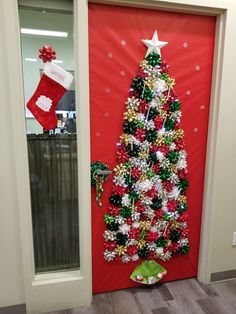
x=222, y=86
x=52, y=291
x=222, y=89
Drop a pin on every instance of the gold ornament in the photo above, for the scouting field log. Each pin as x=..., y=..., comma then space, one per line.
x=182, y=199
x=144, y=65
x=126, y=139
x=163, y=99
x=160, y=140
x=163, y=114
x=120, y=169
x=120, y=250
x=144, y=177
x=174, y=225
x=130, y=115
x=144, y=225
x=172, y=168
x=143, y=155
x=171, y=82
x=178, y=134
x=141, y=244
x=150, y=82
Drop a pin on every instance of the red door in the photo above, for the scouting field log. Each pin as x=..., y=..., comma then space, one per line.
x=116, y=49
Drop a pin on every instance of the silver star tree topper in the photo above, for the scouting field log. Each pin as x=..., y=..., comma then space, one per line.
x=154, y=44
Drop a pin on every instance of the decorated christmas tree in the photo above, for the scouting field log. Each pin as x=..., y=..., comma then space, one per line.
x=147, y=215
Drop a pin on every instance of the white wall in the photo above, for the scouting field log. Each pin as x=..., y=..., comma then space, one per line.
x=224, y=254
x=11, y=280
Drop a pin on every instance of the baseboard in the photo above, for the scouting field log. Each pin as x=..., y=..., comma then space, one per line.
x=14, y=309
x=223, y=275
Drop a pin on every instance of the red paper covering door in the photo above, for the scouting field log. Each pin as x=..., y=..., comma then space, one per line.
x=116, y=49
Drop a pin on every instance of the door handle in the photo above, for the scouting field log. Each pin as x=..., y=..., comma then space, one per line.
x=99, y=174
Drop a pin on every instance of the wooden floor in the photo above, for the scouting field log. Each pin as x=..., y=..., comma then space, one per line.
x=180, y=297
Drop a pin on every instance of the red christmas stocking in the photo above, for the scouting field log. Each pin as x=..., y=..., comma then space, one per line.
x=52, y=86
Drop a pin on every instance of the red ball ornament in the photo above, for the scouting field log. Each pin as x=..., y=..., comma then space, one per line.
x=185, y=232
x=156, y=168
x=134, y=233
x=140, y=209
x=151, y=236
x=158, y=121
x=153, y=149
x=138, y=203
x=110, y=245
x=183, y=217
x=122, y=155
x=180, y=144
x=151, y=255
x=167, y=186
x=151, y=193
x=113, y=210
x=143, y=107
x=132, y=250
x=129, y=221
x=47, y=54
x=182, y=173
x=140, y=134
x=172, y=205
x=135, y=173
x=164, y=149
x=165, y=107
x=118, y=190
x=159, y=214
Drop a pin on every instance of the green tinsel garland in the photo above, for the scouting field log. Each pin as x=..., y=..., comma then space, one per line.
x=184, y=249
x=161, y=242
x=173, y=156
x=183, y=184
x=175, y=106
x=125, y=212
x=147, y=94
x=182, y=208
x=151, y=135
x=115, y=200
x=121, y=238
x=130, y=127
x=164, y=174
x=156, y=203
x=143, y=252
x=169, y=125
x=153, y=59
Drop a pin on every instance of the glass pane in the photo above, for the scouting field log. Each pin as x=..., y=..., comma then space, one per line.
x=51, y=135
